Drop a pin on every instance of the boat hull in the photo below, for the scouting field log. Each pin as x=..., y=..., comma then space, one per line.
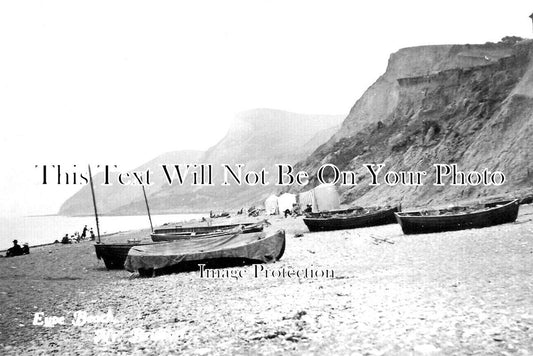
x=176, y=236
x=381, y=217
x=246, y=228
x=114, y=255
x=339, y=211
x=225, y=251
x=496, y=215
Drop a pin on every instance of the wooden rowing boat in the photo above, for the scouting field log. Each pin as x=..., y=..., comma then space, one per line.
x=223, y=251
x=459, y=218
x=332, y=212
x=350, y=219
x=115, y=254
x=246, y=228
x=181, y=233
x=185, y=235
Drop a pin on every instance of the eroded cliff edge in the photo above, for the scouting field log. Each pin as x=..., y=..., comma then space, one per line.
x=466, y=104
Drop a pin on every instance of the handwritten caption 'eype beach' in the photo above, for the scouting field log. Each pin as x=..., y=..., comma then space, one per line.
x=284, y=175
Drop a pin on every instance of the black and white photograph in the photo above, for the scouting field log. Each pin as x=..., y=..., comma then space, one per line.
x=298, y=177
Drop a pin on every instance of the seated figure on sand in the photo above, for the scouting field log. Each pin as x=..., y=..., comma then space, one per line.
x=296, y=211
x=16, y=250
x=65, y=239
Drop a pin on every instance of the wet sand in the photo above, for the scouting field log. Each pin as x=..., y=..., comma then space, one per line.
x=382, y=293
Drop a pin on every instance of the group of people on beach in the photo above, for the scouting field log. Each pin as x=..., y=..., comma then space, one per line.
x=296, y=211
x=77, y=237
x=18, y=250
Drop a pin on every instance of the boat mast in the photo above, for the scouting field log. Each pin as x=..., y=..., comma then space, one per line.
x=147, y=208
x=94, y=202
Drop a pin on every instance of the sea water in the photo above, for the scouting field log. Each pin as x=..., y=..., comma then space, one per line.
x=37, y=230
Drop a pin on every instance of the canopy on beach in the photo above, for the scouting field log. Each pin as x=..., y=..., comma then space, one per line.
x=321, y=198
x=286, y=201
x=271, y=205
x=326, y=198
x=307, y=198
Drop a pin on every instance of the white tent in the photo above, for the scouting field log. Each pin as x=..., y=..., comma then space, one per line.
x=326, y=197
x=271, y=205
x=307, y=198
x=285, y=201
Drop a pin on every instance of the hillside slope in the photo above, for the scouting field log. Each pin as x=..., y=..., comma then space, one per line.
x=257, y=138
x=465, y=104
x=111, y=198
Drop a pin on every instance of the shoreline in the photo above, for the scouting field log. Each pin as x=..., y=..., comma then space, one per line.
x=462, y=292
x=113, y=215
x=47, y=237
x=524, y=196
x=86, y=240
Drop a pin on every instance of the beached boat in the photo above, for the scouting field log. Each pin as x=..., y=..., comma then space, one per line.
x=247, y=227
x=459, y=218
x=185, y=235
x=350, y=219
x=224, y=251
x=115, y=254
x=331, y=212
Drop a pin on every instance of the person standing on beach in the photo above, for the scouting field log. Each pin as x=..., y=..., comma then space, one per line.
x=84, y=232
x=92, y=234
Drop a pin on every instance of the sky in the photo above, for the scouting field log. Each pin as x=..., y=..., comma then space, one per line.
x=120, y=82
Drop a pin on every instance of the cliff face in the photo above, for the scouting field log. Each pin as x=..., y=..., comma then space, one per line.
x=469, y=105
x=258, y=139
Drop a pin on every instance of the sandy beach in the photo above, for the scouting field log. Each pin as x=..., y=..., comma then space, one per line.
x=376, y=292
